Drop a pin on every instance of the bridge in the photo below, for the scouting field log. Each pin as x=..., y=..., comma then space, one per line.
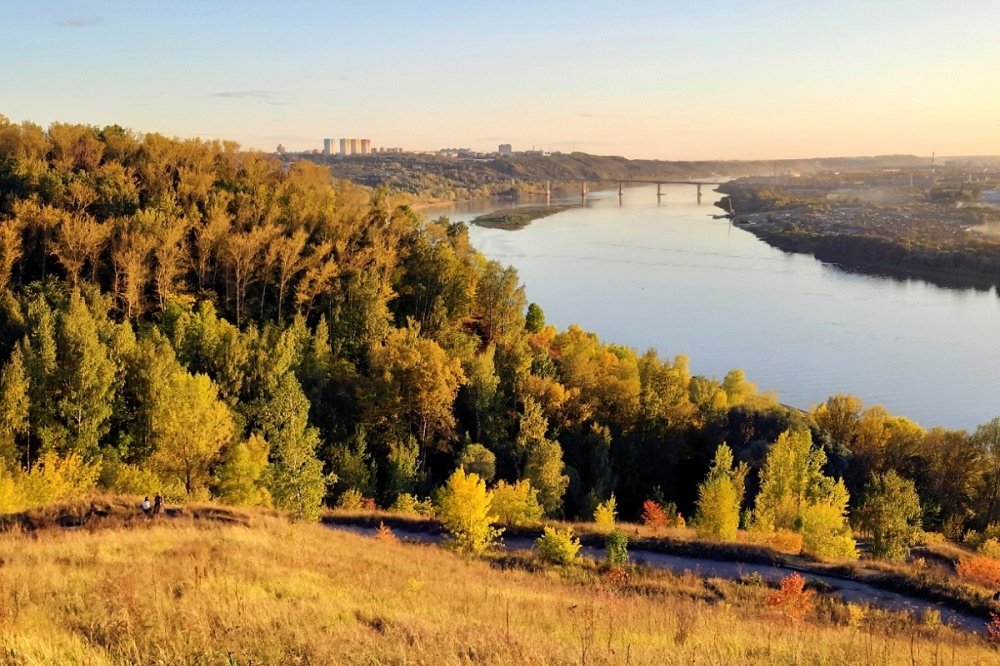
x=633, y=181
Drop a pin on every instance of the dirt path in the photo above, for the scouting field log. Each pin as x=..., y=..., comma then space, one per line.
x=848, y=590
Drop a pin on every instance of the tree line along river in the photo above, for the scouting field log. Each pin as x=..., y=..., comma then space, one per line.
x=663, y=273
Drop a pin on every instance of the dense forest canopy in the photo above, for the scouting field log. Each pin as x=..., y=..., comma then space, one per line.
x=185, y=316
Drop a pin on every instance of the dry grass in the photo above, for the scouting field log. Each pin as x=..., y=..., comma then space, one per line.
x=195, y=592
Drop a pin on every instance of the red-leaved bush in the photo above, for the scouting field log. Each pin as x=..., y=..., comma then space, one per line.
x=793, y=600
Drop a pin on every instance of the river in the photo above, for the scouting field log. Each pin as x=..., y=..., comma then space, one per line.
x=667, y=275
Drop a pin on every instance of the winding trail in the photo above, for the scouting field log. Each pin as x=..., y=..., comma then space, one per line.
x=849, y=590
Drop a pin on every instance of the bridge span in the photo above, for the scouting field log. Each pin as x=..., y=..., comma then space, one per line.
x=633, y=181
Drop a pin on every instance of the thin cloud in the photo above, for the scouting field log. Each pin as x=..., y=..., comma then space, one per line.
x=80, y=22
x=245, y=94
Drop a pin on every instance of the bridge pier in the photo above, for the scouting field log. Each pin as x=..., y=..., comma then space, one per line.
x=699, y=192
x=621, y=193
x=659, y=192
x=583, y=191
x=548, y=191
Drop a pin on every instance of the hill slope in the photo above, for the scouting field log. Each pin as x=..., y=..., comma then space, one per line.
x=181, y=591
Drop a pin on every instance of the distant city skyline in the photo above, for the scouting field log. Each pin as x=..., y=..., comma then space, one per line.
x=720, y=79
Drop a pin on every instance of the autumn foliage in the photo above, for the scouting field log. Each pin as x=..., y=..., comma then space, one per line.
x=793, y=600
x=654, y=516
x=981, y=569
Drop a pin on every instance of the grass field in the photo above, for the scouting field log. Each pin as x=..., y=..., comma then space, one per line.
x=253, y=588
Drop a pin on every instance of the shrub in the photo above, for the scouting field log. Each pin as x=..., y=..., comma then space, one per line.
x=516, y=505
x=558, y=546
x=408, y=504
x=129, y=479
x=980, y=569
x=616, y=547
x=463, y=505
x=783, y=541
x=990, y=548
x=350, y=500
x=793, y=600
x=654, y=516
x=384, y=534
x=993, y=628
x=51, y=479
x=606, y=513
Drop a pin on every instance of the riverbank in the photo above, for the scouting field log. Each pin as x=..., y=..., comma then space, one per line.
x=513, y=219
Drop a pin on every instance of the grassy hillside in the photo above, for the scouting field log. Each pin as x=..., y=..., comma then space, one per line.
x=252, y=588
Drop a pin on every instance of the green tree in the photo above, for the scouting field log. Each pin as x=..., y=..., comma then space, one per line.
x=718, y=514
x=477, y=459
x=84, y=382
x=463, y=505
x=891, y=514
x=403, y=468
x=295, y=476
x=14, y=403
x=534, y=320
x=544, y=465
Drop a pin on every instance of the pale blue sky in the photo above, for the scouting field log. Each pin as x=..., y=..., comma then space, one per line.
x=715, y=79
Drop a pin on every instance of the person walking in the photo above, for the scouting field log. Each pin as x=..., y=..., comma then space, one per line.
x=157, y=505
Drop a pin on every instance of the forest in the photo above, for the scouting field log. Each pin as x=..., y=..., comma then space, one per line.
x=432, y=177
x=185, y=317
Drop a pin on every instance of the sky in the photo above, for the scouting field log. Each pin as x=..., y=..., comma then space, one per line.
x=703, y=79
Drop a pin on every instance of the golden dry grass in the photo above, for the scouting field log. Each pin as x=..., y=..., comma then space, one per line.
x=267, y=592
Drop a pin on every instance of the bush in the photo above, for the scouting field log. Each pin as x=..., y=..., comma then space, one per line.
x=350, y=500
x=616, y=548
x=51, y=479
x=410, y=505
x=130, y=480
x=793, y=600
x=980, y=569
x=783, y=541
x=990, y=548
x=463, y=505
x=654, y=516
x=516, y=505
x=558, y=546
x=606, y=513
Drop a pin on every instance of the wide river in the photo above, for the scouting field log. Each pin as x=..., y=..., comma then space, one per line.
x=668, y=276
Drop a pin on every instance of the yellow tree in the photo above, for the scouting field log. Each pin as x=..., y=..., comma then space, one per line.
x=190, y=426
x=463, y=505
x=11, y=248
x=417, y=383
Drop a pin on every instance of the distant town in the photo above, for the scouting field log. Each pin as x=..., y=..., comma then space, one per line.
x=349, y=147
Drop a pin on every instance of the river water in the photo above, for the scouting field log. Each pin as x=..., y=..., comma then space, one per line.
x=668, y=276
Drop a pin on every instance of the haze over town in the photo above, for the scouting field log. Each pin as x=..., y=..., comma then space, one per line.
x=722, y=79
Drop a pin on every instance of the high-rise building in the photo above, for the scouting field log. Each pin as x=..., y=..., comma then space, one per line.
x=355, y=146
x=366, y=146
x=344, y=146
x=327, y=147
x=505, y=149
